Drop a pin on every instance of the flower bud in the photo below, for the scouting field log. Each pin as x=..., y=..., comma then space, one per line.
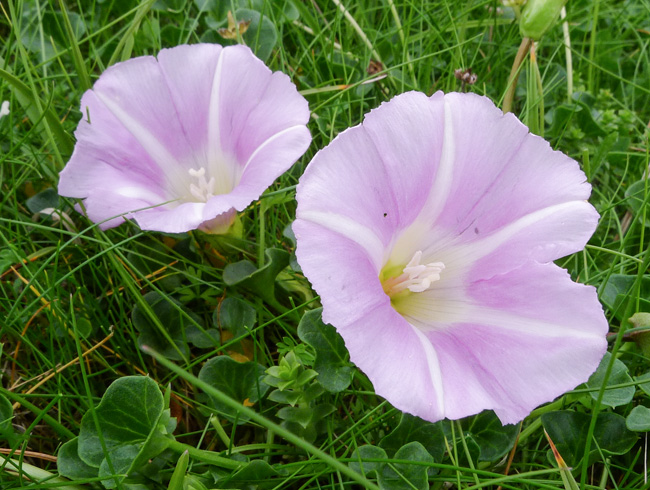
x=539, y=16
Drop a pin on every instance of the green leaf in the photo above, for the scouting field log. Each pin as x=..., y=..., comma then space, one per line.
x=404, y=476
x=639, y=419
x=241, y=381
x=235, y=315
x=613, y=397
x=71, y=465
x=644, y=382
x=612, y=435
x=618, y=291
x=366, y=468
x=411, y=429
x=569, y=429
x=261, y=35
x=259, y=281
x=494, y=440
x=47, y=198
x=133, y=426
x=176, y=481
x=7, y=432
x=637, y=197
x=332, y=365
x=27, y=99
x=163, y=327
x=256, y=474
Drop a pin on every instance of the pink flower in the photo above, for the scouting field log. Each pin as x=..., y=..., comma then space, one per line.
x=193, y=135
x=429, y=232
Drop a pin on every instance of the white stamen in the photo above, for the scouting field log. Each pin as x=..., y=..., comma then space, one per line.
x=205, y=188
x=415, y=277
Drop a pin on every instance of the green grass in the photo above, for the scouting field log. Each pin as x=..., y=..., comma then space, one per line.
x=64, y=291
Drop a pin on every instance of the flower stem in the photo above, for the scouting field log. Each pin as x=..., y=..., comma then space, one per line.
x=263, y=421
x=524, y=47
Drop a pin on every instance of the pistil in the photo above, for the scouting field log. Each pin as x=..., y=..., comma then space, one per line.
x=205, y=188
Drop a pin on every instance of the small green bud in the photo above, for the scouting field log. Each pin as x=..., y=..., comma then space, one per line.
x=538, y=17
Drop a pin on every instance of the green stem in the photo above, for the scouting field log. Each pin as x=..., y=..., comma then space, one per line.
x=524, y=47
x=263, y=421
x=36, y=474
x=617, y=345
x=209, y=457
x=52, y=422
x=592, y=48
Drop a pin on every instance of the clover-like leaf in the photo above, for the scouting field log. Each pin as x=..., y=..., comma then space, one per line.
x=332, y=365
x=241, y=381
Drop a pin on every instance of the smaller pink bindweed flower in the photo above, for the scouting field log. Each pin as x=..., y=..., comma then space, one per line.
x=184, y=140
x=429, y=233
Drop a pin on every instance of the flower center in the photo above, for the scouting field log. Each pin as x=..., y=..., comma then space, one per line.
x=204, y=188
x=415, y=277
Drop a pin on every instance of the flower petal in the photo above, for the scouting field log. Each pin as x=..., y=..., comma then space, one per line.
x=265, y=164
x=373, y=175
x=527, y=337
x=495, y=158
x=340, y=271
x=148, y=122
x=401, y=362
x=254, y=104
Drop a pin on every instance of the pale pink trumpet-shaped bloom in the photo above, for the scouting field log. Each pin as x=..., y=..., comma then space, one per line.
x=194, y=135
x=429, y=233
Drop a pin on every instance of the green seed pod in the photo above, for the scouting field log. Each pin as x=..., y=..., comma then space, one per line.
x=538, y=17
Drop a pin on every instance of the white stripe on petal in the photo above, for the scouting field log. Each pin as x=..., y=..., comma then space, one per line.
x=152, y=145
x=270, y=139
x=214, y=113
x=442, y=183
x=433, y=366
x=504, y=320
x=352, y=230
x=481, y=248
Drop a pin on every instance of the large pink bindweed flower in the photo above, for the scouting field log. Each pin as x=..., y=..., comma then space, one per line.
x=195, y=135
x=429, y=232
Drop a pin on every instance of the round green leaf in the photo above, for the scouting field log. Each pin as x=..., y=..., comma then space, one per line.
x=404, y=476
x=235, y=315
x=639, y=419
x=494, y=440
x=261, y=35
x=613, y=397
x=241, y=381
x=412, y=428
x=162, y=325
x=365, y=453
x=331, y=364
x=130, y=413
